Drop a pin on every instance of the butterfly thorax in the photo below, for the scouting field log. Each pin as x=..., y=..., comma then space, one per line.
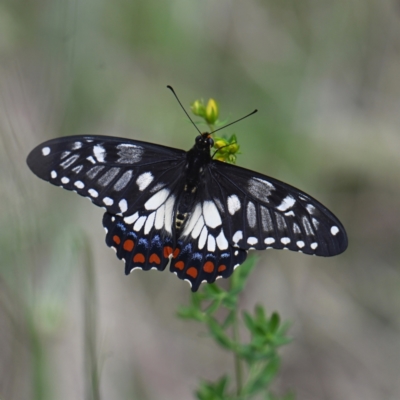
x=197, y=158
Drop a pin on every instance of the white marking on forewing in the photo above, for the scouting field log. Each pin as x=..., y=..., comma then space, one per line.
x=222, y=243
x=139, y=223
x=107, y=178
x=334, y=230
x=160, y=217
x=314, y=245
x=129, y=153
x=69, y=161
x=149, y=222
x=296, y=228
x=169, y=211
x=237, y=236
x=131, y=218
x=300, y=244
x=211, y=214
x=64, y=180
x=77, y=169
x=99, y=152
x=144, y=180
x=252, y=240
x=108, y=201
x=307, y=226
x=287, y=202
x=260, y=189
x=285, y=240
x=251, y=214
x=123, y=205
x=269, y=240
x=64, y=154
x=76, y=145
x=233, y=204
x=211, y=243
x=310, y=208
x=266, y=220
x=315, y=222
x=46, y=151
x=289, y=214
x=53, y=174
x=280, y=221
x=94, y=171
x=123, y=181
x=203, y=238
x=91, y=159
x=192, y=220
x=156, y=200
x=79, y=184
x=93, y=192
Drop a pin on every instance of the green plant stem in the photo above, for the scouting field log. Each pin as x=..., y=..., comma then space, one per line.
x=238, y=362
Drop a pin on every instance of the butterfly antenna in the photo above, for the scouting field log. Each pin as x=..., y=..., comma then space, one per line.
x=234, y=122
x=183, y=108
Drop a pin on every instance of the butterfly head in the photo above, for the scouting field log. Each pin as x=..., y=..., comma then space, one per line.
x=204, y=142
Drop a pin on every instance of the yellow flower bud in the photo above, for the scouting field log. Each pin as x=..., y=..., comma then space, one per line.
x=198, y=108
x=220, y=143
x=211, y=112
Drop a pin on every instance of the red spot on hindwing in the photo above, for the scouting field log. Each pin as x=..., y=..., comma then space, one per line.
x=208, y=267
x=180, y=265
x=116, y=239
x=221, y=268
x=176, y=252
x=129, y=245
x=155, y=259
x=192, y=271
x=167, y=251
x=139, y=258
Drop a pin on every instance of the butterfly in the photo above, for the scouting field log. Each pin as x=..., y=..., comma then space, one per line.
x=165, y=205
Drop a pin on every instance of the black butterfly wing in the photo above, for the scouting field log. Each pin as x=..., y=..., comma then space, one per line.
x=259, y=212
x=118, y=174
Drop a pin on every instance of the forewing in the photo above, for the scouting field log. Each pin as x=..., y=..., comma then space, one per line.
x=118, y=174
x=261, y=212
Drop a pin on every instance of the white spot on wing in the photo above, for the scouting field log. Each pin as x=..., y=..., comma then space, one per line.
x=93, y=192
x=123, y=181
x=99, y=152
x=139, y=223
x=69, y=161
x=315, y=222
x=222, y=243
x=123, y=205
x=129, y=153
x=149, y=222
x=107, y=178
x=289, y=214
x=94, y=171
x=252, y=240
x=76, y=145
x=310, y=208
x=296, y=228
x=193, y=221
x=314, y=245
x=211, y=243
x=108, y=201
x=307, y=226
x=169, y=210
x=79, y=184
x=156, y=200
x=203, y=238
x=144, y=180
x=46, y=151
x=64, y=180
x=269, y=240
x=198, y=227
x=334, y=230
x=64, y=154
x=53, y=174
x=211, y=214
x=160, y=217
x=233, y=204
x=237, y=236
x=77, y=169
x=300, y=244
x=131, y=218
x=91, y=159
x=287, y=202
x=285, y=240
x=260, y=189
x=251, y=214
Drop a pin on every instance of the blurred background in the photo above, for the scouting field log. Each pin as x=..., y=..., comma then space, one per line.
x=324, y=76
